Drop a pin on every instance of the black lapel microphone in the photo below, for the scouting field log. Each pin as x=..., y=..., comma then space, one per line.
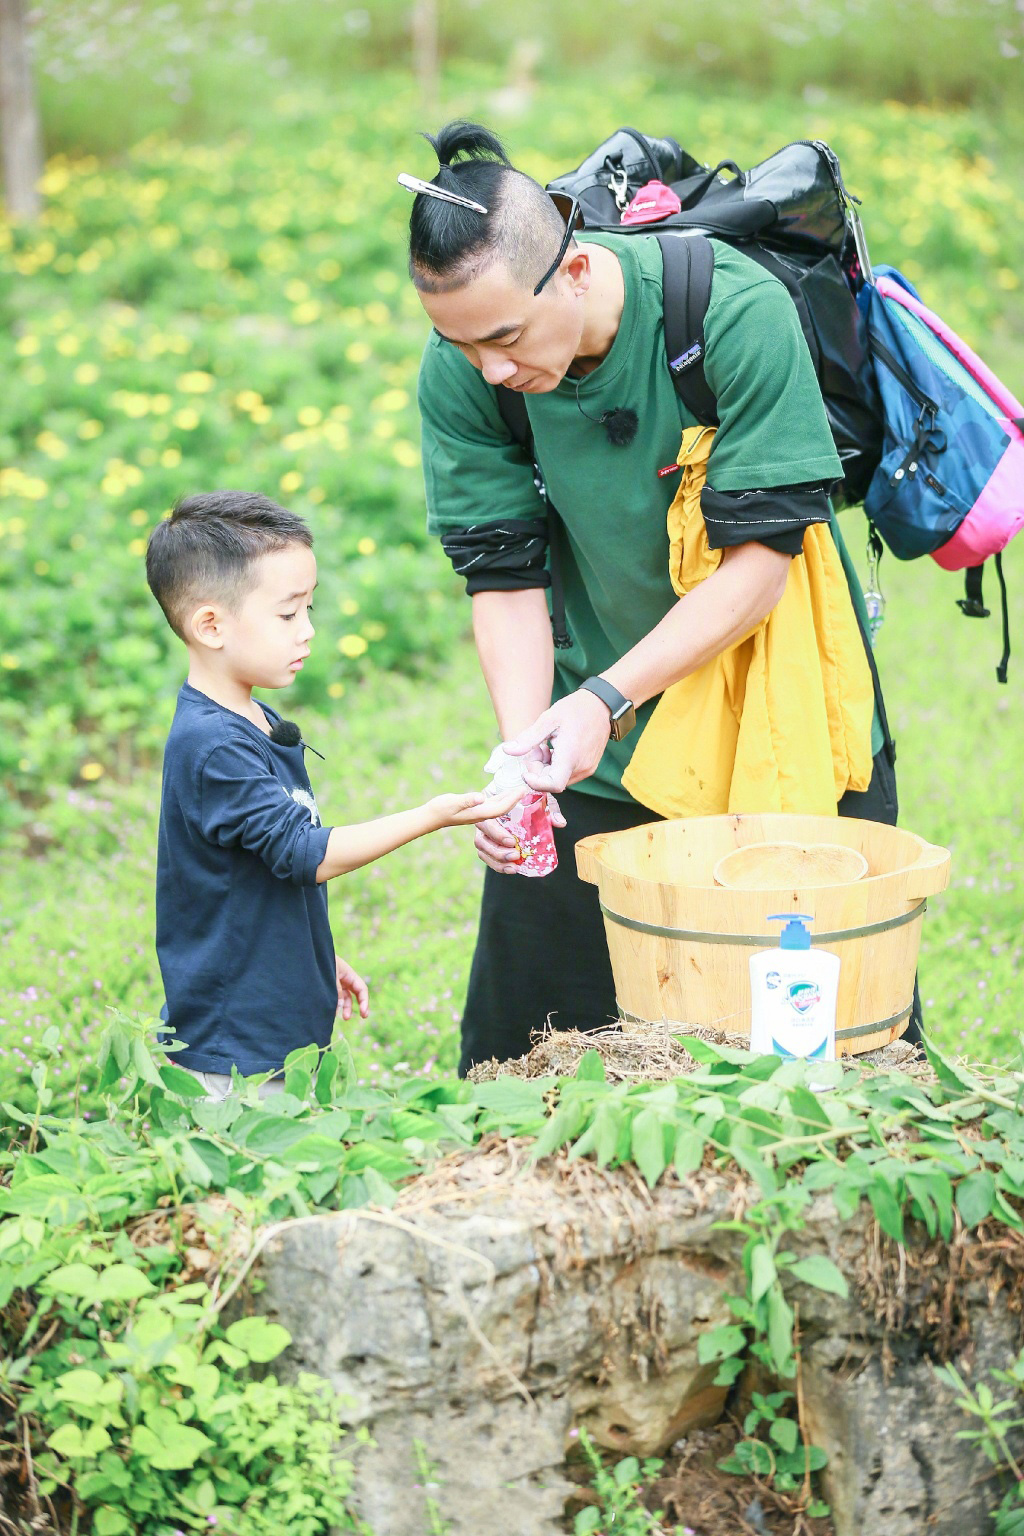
x=287, y=734
x=620, y=423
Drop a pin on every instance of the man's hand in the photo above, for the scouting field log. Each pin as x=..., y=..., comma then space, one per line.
x=495, y=844
x=578, y=728
x=351, y=985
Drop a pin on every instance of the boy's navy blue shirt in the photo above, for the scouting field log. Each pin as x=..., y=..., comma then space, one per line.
x=242, y=935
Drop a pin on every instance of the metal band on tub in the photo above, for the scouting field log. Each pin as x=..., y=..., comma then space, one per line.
x=769, y=940
x=841, y=1034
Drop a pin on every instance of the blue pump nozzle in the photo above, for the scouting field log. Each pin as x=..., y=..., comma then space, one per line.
x=794, y=935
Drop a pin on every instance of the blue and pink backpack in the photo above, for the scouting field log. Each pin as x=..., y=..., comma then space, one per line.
x=950, y=482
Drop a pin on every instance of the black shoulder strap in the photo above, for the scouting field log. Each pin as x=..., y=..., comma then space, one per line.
x=689, y=263
x=516, y=417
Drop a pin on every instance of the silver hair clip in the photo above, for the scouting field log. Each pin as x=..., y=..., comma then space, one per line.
x=430, y=189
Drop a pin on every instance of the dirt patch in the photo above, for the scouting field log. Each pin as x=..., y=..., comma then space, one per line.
x=694, y=1494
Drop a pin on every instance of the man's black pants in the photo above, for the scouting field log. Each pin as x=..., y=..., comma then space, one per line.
x=541, y=952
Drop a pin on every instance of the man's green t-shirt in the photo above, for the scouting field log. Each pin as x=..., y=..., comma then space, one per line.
x=611, y=501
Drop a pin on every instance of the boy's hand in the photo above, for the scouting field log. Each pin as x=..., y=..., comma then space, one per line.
x=351, y=985
x=467, y=810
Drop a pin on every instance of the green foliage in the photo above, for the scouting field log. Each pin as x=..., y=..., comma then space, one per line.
x=998, y=1426
x=620, y=1510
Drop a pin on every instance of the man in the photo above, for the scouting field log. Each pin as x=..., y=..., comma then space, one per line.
x=576, y=326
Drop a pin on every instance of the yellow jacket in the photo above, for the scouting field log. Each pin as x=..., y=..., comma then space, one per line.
x=782, y=720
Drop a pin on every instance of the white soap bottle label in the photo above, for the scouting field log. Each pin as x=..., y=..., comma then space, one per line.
x=793, y=993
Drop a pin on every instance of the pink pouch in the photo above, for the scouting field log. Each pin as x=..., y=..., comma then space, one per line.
x=530, y=825
x=653, y=202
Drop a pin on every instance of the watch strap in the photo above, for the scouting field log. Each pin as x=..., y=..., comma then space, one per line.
x=617, y=702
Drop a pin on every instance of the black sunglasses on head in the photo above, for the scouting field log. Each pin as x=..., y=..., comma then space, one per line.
x=569, y=208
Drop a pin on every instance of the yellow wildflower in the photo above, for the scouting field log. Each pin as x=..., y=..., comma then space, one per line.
x=196, y=383
x=86, y=373
x=367, y=546
x=290, y=481
x=352, y=646
x=187, y=418
x=391, y=400
x=336, y=690
x=91, y=771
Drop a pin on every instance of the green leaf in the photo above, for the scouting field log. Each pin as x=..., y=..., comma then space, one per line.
x=718, y=1343
x=261, y=1339
x=273, y=1134
x=626, y=1471
x=728, y=1371
x=109, y=1522
x=647, y=1145
x=807, y=1106
x=123, y=1282
x=819, y=1271
x=587, y=1521
x=176, y=1447
x=325, y=1078
x=780, y=1331
x=71, y=1280
x=590, y=1068
x=66, y=1441
x=181, y=1083
x=762, y=1270
x=689, y=1153
x=756, y=1168
x=955, y=1079
x=886, y=1209
x=975, y=1196
x=785, y=1433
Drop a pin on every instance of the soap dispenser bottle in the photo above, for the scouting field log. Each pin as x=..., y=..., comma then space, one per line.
x=793, y=993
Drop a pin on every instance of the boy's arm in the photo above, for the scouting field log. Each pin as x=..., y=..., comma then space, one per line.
x=351, y=847
x=243, y=804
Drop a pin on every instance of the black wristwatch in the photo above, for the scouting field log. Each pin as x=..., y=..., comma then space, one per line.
x=621, y=709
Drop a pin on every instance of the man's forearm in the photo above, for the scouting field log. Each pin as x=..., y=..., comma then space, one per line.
x=517, y=655
x=722, y=610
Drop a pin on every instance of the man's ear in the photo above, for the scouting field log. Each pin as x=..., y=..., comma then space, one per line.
x=206, y=627
x=578, y=269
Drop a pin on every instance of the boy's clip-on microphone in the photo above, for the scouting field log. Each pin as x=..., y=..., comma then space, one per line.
x=287, y=734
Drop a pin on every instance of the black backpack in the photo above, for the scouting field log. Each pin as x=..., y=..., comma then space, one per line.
x=792, y=215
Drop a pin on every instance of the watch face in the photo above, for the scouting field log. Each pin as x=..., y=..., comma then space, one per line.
x=623, y=722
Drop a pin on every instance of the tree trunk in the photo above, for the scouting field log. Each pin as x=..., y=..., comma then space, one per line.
x=425, y=53
x=19, y=115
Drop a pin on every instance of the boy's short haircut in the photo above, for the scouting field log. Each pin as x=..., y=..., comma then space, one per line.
x=209, y=548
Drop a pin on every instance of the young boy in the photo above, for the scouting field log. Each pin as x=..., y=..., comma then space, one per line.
x=242, y=935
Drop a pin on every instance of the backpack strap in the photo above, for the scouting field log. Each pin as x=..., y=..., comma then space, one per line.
x=689, y=263
x=516, y=417
x=972, y=606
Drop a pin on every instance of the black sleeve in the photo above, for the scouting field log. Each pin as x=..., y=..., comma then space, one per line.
x=500, y=557
x=776, y=517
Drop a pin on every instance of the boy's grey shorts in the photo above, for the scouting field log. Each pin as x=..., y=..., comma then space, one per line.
x=218, y=1084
